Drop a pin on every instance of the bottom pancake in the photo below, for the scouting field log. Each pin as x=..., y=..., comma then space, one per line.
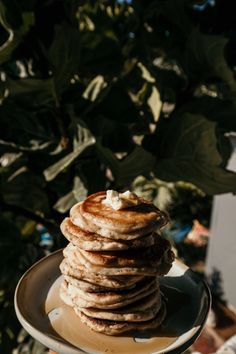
x=117, y=327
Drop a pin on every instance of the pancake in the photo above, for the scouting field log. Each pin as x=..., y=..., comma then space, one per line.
x=114, y=271
x=85, y=285
x=82, y=273
x=78, y=301
x=63, y=293
x=112, y=262
x=76, y=259
x=114, y=297
x=93, y=242
x=93, y=215
x=89, y=287
x=150, y=256
x=142, y=310
x=117, y=327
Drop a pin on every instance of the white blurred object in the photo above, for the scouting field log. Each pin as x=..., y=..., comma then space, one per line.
x=211, y=319
x=229, y=347
x=222, y=246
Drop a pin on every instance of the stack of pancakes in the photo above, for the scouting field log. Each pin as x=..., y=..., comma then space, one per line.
x=112, y=265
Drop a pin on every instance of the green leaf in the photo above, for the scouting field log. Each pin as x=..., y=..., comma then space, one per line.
x=110, y=132
x=78, y=194
x=154, y=103
x=218, y=110
x=64, y=55
x=25, y=190
x=30, y=91
x=26, y=130
x=83, y=141
x=14, y=35
x=9, y=158
x=193, y=154
x=107, y=156
x=65, y=203
x=34, y=146
x=209, y=178
x=10, y=250
x=84, y=170
x=101, y=54
x=118, y=106
x=170, y=8
x=79, y=190
x=94, y=88
x=138, y=162
x=205, y=57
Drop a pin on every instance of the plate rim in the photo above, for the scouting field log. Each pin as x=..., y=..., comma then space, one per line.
x=62, y=344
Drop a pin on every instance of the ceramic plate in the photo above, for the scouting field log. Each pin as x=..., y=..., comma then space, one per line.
x=50, y=321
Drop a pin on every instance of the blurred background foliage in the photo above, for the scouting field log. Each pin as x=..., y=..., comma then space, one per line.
x=94, y=94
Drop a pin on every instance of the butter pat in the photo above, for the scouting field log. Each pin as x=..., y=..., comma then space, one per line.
x=119, y=201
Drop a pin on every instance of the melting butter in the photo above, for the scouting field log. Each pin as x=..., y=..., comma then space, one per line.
x=119, y=201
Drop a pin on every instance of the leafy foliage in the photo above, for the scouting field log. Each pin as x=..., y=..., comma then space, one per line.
x=201, y=162
x=94, y=94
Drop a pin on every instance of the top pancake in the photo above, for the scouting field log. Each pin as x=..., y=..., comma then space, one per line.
x=130, y=223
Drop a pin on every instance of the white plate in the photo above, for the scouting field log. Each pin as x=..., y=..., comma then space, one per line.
x=47, y=319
